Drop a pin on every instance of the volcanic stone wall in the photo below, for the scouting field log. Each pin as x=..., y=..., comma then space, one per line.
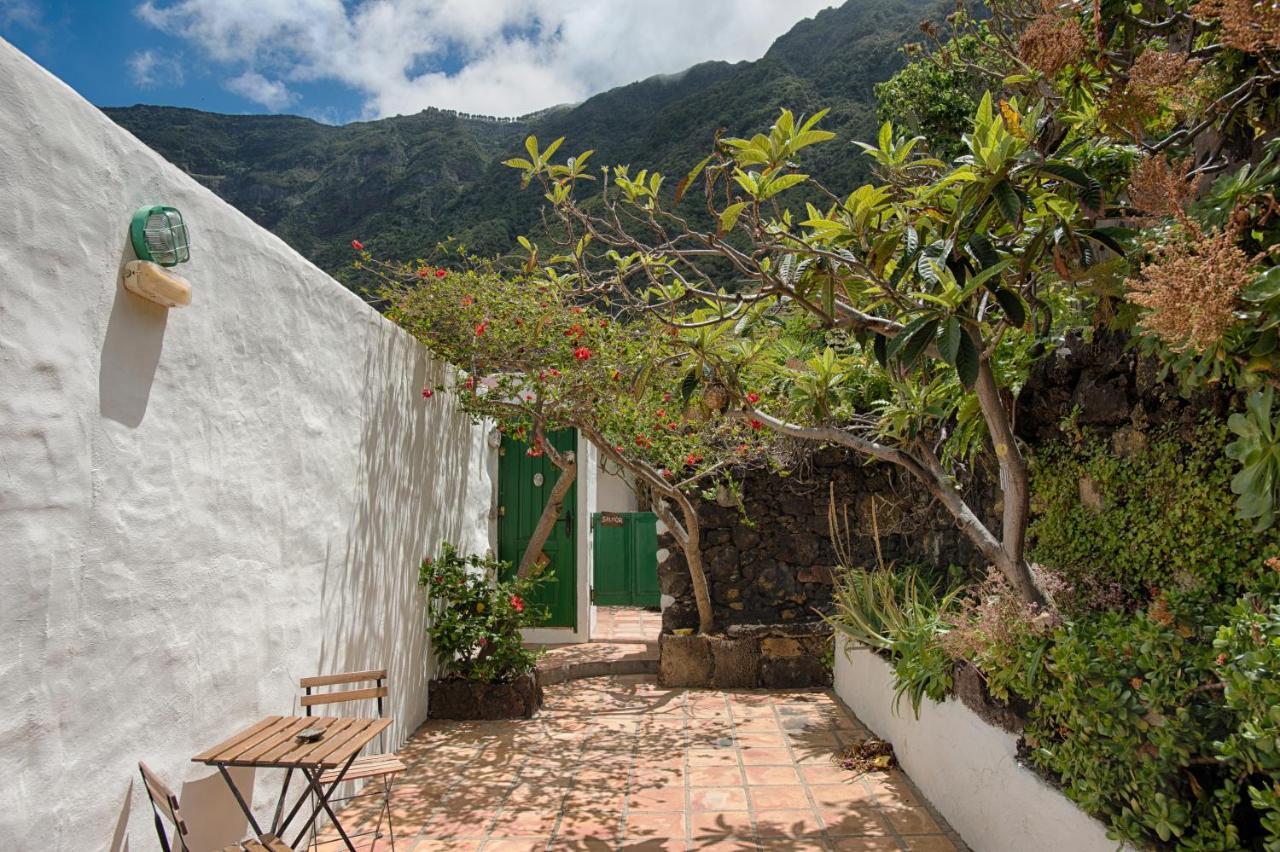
x=772, y=560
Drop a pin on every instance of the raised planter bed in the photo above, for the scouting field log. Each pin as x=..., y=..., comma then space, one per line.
x=747, y=656
x=456, y=698
x=966, y=767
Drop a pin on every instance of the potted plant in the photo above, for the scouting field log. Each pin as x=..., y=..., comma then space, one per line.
x=483, y=670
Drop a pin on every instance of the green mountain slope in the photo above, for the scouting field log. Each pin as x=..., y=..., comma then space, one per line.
x=401, y=184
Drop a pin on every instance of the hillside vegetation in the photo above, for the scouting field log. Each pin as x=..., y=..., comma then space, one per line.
x=401, y=184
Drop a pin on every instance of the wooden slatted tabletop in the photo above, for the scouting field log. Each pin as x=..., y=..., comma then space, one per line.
x=272, y=743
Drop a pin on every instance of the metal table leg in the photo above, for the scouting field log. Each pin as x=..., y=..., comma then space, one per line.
x=323, y=796
x=235, y=791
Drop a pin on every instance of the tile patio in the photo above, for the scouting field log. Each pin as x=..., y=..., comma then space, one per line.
x=620, y=763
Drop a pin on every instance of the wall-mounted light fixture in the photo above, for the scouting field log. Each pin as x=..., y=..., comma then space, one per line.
x=160, y=240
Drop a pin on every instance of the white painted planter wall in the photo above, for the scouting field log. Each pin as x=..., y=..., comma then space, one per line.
x=197, y=506
x=965, y=767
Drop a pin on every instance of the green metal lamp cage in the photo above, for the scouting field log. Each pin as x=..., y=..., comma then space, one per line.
x=159, y=235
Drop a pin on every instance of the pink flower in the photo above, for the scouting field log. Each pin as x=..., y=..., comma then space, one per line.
x=756, y=424
x=470, y=383
x=582, y=353
x=753, y=397
x=484, y=642
x=517, y=604
x=666, y=474
x=357, y=245
x=427, y=393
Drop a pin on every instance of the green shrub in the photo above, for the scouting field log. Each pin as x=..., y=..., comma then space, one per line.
x=475, y=619
x=899, y=614
x=1167, y=517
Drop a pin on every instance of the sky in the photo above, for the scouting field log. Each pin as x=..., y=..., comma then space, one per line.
x=347, y=60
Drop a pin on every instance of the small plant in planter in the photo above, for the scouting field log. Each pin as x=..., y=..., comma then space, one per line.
x=483, y=670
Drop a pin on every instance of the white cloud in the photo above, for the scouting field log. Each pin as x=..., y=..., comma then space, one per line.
x=506, y=57
x=151, y=68
x=272, y=94
x=20, y=13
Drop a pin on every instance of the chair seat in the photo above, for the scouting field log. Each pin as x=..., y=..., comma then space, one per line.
x=369, y=766
x=264, y=843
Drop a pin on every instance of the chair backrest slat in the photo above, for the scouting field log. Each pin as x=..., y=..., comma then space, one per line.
x=346, y=677
x=165, y=804
x=343, y=695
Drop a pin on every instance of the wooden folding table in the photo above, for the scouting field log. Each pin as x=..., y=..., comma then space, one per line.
x=273, y=744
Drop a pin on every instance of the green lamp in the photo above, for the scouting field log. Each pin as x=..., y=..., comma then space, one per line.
x=159, y=235
x=160, y=240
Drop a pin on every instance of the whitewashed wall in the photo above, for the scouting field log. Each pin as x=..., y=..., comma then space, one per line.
x=197, y=506
x=966, y=768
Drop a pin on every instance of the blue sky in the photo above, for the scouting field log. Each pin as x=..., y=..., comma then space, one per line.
x=345, y=60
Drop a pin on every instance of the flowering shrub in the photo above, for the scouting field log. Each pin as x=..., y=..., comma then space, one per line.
x=475, y=618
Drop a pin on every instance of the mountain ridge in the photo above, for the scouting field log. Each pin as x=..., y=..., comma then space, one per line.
x=403, y=183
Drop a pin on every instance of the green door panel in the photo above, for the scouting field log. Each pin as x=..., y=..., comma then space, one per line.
x=520, y=501
x=626, y=560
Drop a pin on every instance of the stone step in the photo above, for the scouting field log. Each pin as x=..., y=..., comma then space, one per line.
x=596, y=659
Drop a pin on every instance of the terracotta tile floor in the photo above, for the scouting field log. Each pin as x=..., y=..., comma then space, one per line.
x=626, y=624
x=622, y=764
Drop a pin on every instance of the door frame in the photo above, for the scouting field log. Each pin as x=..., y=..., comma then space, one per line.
x=585, y=501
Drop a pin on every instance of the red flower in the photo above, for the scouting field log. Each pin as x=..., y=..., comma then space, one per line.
x=756, y=424
x=483, y=641
x=467, y=300
x=582, y=353
x=440, y=273
x=517, y=604
x=742, y=448
x=480, y=329
x=423, y=272
x=642, y=441
x=575, y=331
x=533, y=451
x=427, y=393
x=692, y=458
x=470, y=383
x=604, y=323
x=673, y=425
x=666, y=474
x=666, y=397
x=753, y=397
x=554, y=372
x=576, y=309
x=357, y=245
x=662, y=412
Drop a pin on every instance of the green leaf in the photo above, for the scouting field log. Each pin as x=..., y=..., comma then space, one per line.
x=1008, y=201
x=949, y=340
x=879, y=346
x=918, y=342
x=729, y=216
x=683, y=185
x=1011, y=305
x=967, y=359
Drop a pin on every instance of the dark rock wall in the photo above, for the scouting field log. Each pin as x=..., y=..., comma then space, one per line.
x=778, y=567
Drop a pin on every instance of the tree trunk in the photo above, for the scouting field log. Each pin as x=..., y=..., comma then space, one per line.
x=688, y=536
x=568, y=465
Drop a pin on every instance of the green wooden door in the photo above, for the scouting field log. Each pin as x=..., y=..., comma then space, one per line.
x=626, y=559
x=523, y=485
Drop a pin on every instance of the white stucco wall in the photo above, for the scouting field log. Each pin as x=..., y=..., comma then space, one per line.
x=965, y=767
x=197, y=506
x=614, y=491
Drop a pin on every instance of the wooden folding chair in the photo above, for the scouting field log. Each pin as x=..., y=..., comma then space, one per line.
x=164, y=808
x=379, y=769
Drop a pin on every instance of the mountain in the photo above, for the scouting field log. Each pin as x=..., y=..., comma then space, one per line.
x=401, y=184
